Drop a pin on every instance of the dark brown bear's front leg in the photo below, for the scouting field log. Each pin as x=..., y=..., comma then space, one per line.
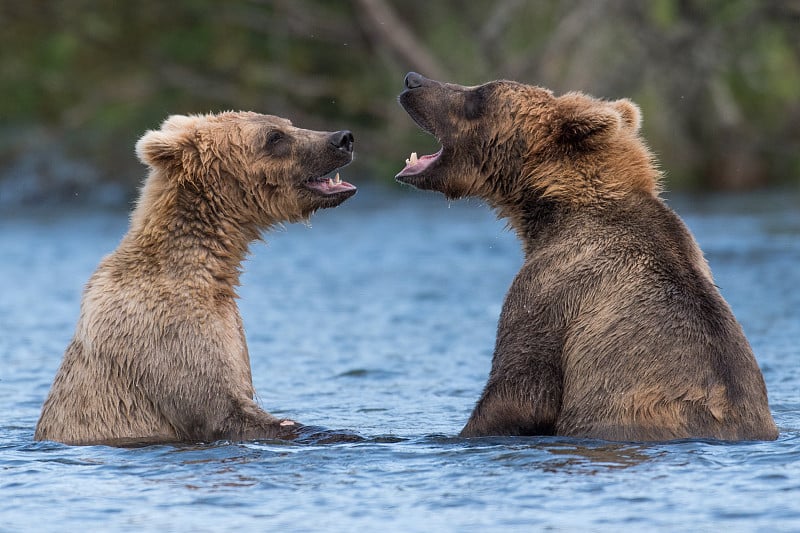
x=523, y=393
x=517, y=404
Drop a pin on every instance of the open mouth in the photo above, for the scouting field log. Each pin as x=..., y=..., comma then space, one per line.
x=417, y=165
x=417, y=168
x=328, y=186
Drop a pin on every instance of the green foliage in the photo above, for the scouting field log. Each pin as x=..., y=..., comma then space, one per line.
x=717, y=80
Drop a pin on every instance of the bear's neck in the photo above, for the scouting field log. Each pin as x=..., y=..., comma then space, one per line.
x=185, y=234
x=532, y=219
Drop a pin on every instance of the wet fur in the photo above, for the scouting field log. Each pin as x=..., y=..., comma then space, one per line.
x=613, y=328
x=159, y=352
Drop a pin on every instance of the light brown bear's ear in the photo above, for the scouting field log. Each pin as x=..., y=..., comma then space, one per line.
x=583, y=122
x=167, y=146
x=631, y=115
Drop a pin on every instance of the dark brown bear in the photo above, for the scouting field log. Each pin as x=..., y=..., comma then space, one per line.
x=613, y=328
x=159, y=352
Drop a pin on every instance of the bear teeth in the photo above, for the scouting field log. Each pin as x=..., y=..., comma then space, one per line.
x=337, y=180
x=413, y=159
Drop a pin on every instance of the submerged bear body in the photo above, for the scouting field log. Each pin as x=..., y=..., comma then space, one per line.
x=613, y=328
x=159, y=352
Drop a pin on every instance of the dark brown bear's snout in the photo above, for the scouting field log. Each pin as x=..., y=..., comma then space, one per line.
x=343, y=140
x=414, y=80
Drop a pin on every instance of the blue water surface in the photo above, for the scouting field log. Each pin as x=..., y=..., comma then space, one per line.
x=380, y=319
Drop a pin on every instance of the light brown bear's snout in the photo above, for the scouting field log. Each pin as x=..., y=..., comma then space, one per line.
x=343, y=140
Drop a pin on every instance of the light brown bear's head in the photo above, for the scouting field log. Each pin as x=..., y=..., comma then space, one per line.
x=257, y=169
x=508, y=142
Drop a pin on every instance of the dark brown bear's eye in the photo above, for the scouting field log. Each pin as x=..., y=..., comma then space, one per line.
x=475, y=103
x=274, y=138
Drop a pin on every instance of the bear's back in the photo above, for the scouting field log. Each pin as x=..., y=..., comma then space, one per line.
x=97, y=395
x=650, y=349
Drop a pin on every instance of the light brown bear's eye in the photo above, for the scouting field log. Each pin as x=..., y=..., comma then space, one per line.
x=277, y=144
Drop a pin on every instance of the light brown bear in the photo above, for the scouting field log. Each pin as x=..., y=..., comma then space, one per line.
x=613, y=328
x=159, y=352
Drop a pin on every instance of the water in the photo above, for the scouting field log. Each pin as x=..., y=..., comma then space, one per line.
x=381, y=319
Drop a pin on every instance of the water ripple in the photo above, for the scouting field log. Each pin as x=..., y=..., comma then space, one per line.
x=401, y=344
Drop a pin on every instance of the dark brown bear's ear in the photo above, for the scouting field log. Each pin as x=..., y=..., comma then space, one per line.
x=583, y=122
x=167, y=146
x=631, y=115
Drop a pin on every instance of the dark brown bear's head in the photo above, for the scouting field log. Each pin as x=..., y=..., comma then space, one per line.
x=506, y=141
x=255, y=168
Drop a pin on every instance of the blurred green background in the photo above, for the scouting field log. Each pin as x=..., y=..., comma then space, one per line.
x=718, y=80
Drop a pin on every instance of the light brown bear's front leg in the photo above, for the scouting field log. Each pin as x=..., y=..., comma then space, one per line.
x=205, y=392
x=223, y=415
x=250, y=422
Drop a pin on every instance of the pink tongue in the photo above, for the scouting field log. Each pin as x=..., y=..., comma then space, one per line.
x=422, y=163
x=329, y=187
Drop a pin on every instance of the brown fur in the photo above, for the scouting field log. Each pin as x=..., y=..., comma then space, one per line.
x=613, y=327
x=159, y=352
